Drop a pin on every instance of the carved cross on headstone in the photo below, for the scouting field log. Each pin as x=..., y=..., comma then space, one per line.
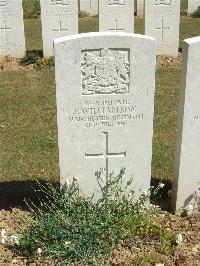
x=105, y=154
x=4, y=28
x=116, y=29
x=60, y=29
x=162, y=28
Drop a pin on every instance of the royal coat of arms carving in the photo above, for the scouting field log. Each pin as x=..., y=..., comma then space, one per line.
x=105, y=71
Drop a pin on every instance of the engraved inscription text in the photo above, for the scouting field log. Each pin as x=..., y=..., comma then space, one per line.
x=59, y=2
x=116, y=2
x=162, y=2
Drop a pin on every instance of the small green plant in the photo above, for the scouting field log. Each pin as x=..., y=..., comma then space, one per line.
x=196, y=14
x=183, y=12
x=45, y=62
x=36, y=9
x=167, y=239
x=70, y=227
x=29, y=58
x=32, y=58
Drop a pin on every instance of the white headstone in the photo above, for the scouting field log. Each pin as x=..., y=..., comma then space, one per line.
x=12, y=40
x=140, y=8
x=187, y=166
x=105, y=106
x=193, y=5
x=59, y=18
x=90, y=6
x=116, y=15
x=162, y=18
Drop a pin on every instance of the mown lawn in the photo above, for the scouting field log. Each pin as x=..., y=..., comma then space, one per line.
x=28, y=112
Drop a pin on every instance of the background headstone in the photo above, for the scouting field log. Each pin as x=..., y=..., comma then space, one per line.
x=105, y=106
x=12, y=40
x=140, y=8
x=187, y=166
x=59, y=18
x=116, y=15
x=193, y=5
x=90, y=6
x=162, y=18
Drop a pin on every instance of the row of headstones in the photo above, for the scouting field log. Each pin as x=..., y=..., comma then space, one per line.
x=60, y=18
x=92, y=6
x=105, y=86
x=192, y=6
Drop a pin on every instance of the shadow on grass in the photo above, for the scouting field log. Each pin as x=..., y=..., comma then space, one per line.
x=162, y=199
x=38, y=53
x=13, y=194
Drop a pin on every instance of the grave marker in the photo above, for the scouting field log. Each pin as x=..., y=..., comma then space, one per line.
x=193, y=5
x=12, y=40
x=90, y=6
x=140, y=8
x=105, y=107
x=116, y=15
x=187, y=166
x=59, y=18
x=162, y=18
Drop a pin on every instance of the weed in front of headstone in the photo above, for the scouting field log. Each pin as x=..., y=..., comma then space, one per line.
x=196, y=14
x=44, y=62
x=32, y=58
x=70, y=227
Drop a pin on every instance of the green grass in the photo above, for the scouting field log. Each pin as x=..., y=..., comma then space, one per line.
x=28, y=124
x=28, y=113
x=33, y=34
x=28, y=6
x=189, y=27
x=184, y=4
x=166, y=98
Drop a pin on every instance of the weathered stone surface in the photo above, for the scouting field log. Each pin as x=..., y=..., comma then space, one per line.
x=12, y=40
x=162, y=19
x=105, y=106
x=59, y=18
x=116, y=15
x=90, y=6
x=193, y=5
x=187, y=166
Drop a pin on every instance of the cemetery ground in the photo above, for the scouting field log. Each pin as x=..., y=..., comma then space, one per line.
x=29, y=151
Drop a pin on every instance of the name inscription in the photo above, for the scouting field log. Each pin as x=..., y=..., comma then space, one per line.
x=105, y=113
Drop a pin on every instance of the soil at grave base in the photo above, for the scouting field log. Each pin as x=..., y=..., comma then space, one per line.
x=12, y=64
x=186, y=254
x=8, y=63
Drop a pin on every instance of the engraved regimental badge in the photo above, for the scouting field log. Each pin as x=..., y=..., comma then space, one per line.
x=3, y=2
x=105, y=71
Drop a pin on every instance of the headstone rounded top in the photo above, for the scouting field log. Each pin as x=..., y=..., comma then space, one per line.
x=192, y=40
x=103, y=34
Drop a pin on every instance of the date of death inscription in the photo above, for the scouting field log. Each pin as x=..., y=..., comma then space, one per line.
x=105, y=113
